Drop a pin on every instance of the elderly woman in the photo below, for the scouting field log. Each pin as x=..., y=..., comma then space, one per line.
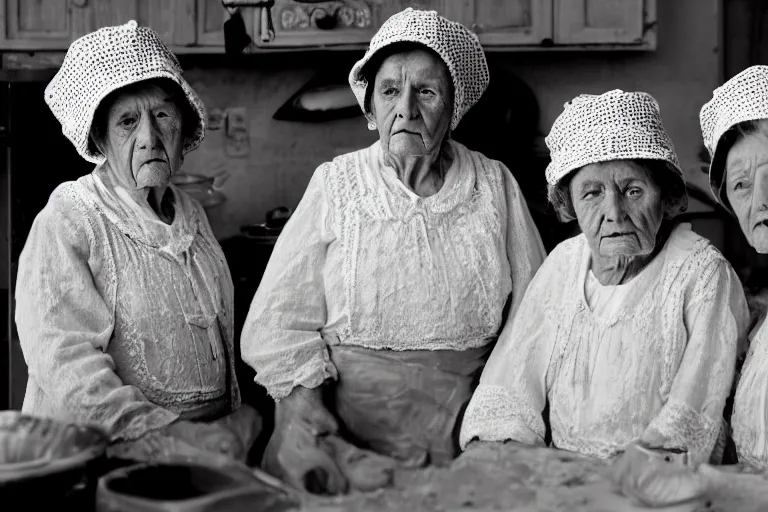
x=628, y=331
x=124, y=299
x=734, y=125
x=392, y=276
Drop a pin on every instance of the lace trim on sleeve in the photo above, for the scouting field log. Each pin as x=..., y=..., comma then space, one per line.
x=685, y=428
x=496, y=413
x=308, y=368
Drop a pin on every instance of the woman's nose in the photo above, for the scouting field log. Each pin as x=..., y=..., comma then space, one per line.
x=614, y=208
x=406, y=106
x=146, y=135
x=760, y=194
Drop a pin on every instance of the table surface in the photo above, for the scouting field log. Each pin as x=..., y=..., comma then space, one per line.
x=502, y=477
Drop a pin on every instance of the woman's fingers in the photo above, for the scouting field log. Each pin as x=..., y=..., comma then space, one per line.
x=365, y=470
x=650, y=481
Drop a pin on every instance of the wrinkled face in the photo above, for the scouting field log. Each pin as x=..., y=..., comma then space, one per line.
x=746, y=182
x=618, y=206
x=412, y=103
x=143, y=139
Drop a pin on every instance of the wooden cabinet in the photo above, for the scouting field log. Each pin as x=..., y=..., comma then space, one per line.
x=197, y=25
x=45, y=23
x=511, y=22
x=507, y=24
x=602, y=21
x=185, y=25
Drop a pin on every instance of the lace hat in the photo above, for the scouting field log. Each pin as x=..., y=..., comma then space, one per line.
x=104, y=61
x=742, y=98
x=455, y=44
x=616, y=125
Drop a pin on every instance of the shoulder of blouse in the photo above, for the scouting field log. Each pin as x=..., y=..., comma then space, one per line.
x=688, y=253
x=67, y=214
x=556, y=275
x=341, y=179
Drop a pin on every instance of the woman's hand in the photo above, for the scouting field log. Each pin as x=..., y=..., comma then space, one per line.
x=245, y=423
x=296, y=452
x=364, y=470
x=649, y=478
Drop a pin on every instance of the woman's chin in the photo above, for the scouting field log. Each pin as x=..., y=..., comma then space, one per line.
x=152, y=177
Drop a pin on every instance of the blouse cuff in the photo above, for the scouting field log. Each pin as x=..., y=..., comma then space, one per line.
x=685, y=428
x=306, y=367
x=497, y=414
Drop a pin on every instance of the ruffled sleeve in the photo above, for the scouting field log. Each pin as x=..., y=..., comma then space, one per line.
x=509, y=401
x=65, y=325
x=281, y=338
x=716, y=320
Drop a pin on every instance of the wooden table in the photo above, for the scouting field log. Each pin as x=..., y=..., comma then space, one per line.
x=502, y=477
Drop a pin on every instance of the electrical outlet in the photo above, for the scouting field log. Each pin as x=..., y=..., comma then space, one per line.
x=237, y=124
x=216, y=117
x=238, y=138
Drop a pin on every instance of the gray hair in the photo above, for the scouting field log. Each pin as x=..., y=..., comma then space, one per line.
x=674, y=194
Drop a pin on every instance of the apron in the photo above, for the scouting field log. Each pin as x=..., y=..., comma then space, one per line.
x=405, y=404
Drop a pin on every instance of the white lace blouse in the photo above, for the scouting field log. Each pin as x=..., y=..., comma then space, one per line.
x=750, y=405
x=654, y=360
x=364, y=261
x=124, y=321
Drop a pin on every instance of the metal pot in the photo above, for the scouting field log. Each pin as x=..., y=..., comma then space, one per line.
x=40, y=453
x=206, y=189
x=190, y=487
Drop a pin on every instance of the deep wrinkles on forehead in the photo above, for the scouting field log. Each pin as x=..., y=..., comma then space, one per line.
x=435, y=73
x=127, y=104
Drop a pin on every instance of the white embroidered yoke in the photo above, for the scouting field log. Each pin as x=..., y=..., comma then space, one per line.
x=364, y=261
x=750, y=406
x=658, y=366
x=124, y=321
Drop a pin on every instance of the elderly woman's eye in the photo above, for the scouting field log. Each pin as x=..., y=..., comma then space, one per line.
x=127, y=122
x=740, y=185
x=634, y=192
x=589, y=194
x=162, y=114
x=390, y=91
x=428, y=92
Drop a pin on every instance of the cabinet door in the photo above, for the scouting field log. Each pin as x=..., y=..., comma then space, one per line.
x=511, y=22
x=456, y=10
x=36, y=23
x=603, y=21
x=211, y=16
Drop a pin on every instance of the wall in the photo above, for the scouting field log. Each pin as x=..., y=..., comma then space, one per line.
x=680, y=74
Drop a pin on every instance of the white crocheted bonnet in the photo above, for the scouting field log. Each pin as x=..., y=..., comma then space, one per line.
x=742, y=98
x=103, y=61
x=616, y=125
x=458, y=47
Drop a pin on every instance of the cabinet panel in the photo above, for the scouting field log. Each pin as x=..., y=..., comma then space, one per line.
x=38, y=20
x=512, y=22
x=601, y=21
x=211, y=16
x=318, y=23
x=456, y=10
